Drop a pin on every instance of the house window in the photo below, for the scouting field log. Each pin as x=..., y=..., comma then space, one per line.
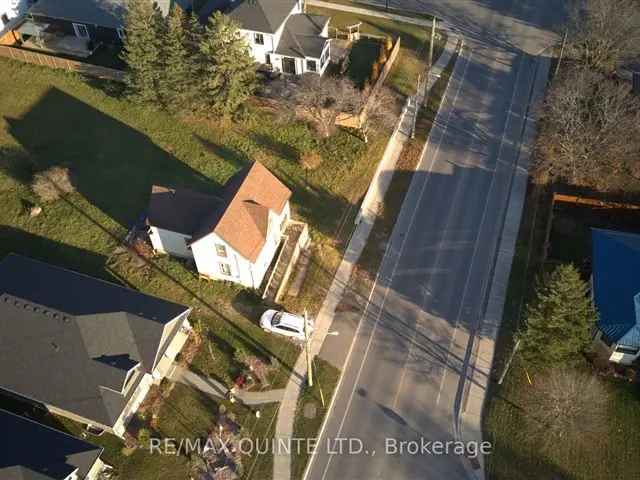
x=121, y=34
x=225, y=269
x=258, y=39
x=81, y=30
x=221, y=250
x=324, y=57
x=311, y=66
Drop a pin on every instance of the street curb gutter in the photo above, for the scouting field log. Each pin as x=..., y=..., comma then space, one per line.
x=481, y=363
x=452, y=47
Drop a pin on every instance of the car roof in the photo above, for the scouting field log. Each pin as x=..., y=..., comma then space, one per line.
x=290, y=320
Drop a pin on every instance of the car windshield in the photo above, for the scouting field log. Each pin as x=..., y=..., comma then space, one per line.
x=277, y=318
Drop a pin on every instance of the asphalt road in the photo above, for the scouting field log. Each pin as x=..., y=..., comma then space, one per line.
x=403, y=378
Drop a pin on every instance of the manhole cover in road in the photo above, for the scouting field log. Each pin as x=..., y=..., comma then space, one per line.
x=310, y=410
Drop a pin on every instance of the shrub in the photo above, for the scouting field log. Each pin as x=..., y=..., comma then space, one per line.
x=144, y=436
x=310, y=160
x=382, y=55
x=388, y=43
x=50, y=184
x=375, y=72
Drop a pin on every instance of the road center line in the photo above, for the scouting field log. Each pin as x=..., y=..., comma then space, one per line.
x=387, y=288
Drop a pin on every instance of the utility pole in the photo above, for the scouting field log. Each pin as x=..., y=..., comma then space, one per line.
x=433, y=39
x=306, y=347
x=564, y=44
x=426, y=80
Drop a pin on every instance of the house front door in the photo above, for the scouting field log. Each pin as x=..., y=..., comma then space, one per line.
x=289, y=65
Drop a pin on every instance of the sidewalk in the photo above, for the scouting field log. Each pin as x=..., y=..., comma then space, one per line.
x=214, y=388
x=368, y=211
x=479, y=373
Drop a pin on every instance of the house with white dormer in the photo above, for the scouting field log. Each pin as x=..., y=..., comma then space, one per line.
x=232, y=235
x=280, y=35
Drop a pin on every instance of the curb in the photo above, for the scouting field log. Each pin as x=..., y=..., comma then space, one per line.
x=481, y=363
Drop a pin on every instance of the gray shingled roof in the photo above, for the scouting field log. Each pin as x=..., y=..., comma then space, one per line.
x=106, y=13
x=179, y=210
x=87, y=332
x=261, y=15
x=31, y=451
x=301, y=36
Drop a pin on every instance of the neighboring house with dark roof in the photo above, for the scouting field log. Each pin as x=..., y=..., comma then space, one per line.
x=32, y=451
x=75, y=27
x=279, y=34
x=616, y=292
x=82, y=347
x=231, y=236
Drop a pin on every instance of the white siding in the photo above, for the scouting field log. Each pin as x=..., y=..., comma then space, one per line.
x=258, y=52
x=271, y=41
x=133, y=405
x=171, y=243
x=11, y=8
x=242, y=271
x=95, y=470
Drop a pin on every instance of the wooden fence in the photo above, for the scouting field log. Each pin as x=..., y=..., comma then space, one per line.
x=52, y=61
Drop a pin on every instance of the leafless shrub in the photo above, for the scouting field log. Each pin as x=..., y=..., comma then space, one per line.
x=310, y=160
x=50, y=184
x=567, y=406
x=603, y=33
x=322, y=99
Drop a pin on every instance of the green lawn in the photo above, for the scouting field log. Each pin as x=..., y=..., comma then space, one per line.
x=411, y=61
x=116, y=151
x=325, y=382
x=515, y=453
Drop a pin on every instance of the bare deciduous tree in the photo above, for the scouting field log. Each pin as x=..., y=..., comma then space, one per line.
x=379, y=113
x=604, y=32
x=323, y=99
x=590, y=130
x=567, y=406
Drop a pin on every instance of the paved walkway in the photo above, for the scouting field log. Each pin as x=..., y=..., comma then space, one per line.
x=366, y=217
x=214, y=388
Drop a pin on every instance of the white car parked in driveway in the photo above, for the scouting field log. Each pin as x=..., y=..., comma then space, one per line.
x=285, y=323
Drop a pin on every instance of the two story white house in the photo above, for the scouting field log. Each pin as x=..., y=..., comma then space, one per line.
x=231, y=236
x=279, y=34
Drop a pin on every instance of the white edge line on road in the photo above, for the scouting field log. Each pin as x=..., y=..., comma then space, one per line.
x=335, y=395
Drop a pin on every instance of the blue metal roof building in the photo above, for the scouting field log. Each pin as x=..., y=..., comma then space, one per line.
x=616, y=285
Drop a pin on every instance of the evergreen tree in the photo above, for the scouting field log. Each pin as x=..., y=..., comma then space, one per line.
x=141, y=50
x=175, y=74
x=228, y=74
x=559, y=319
x=194, y=32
